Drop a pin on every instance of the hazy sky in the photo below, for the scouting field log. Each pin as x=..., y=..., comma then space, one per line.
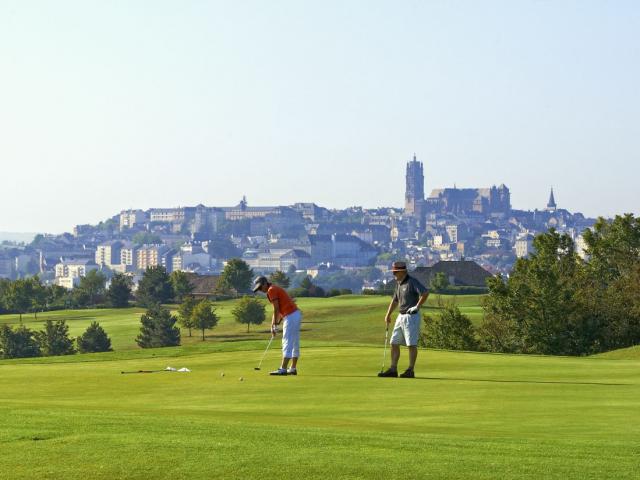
x=110, y=105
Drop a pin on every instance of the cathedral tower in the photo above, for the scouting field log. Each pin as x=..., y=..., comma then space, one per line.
x=414, y=193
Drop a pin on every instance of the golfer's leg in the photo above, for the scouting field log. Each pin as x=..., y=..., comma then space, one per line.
x=412, y=335
x=286, y=343
x=395, y=356
x=413, y=355
x=397, y=339
x=295, y=337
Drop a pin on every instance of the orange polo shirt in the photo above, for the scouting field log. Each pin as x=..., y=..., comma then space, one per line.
x=287, y=306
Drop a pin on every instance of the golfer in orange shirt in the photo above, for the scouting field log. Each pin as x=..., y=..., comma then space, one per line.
x=283, y=309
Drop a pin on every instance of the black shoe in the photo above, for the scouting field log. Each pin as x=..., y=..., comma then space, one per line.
x=408, y=373
x=279, y=372
x=292, y=371
x=388, y=373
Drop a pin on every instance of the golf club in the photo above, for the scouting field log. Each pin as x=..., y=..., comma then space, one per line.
x=168, y=369
x=384, y=354
x=146, y=371
x=265, y=352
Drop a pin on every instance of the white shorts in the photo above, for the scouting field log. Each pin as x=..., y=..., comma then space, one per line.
x=406, y=330
x=291, y=335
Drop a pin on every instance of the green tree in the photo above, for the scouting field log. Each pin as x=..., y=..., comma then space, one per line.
x=185, y=311
x=158, y=328
x=536, y=306
x=204, y=316
x=92, y=287
x=308, y=289
x=57, y=296
x=451, y=330
x=79, y=298
x=154, y=287
x=236, y=276
x=439, y=282
x=18, y=343
x=38, y=296
x=609, y=290
x=279, y=278
x=222, y=247
x=94, y=339
x=54, y=339
x=37, y=241
x=499, y=331
x=249, y=311
x=119, y=290
x=5, y=284
x=146, y=238
x=306, y=283
x=18, y=296
x=613, y=247
x=181, y=285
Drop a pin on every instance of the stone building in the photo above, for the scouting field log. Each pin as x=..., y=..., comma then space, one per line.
x=484, y=201
x=414, y=192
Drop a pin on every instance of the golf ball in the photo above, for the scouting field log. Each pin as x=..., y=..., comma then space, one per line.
x=241, y=379
x=222, y=374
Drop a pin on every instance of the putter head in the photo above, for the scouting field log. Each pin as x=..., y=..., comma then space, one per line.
x=256, y=368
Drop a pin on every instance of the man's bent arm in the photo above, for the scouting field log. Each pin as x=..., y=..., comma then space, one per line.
x=392, y=307
x=423, y=298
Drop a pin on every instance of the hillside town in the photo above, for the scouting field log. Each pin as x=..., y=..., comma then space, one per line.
x=348, y=248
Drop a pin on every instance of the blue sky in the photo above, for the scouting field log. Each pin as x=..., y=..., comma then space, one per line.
x=113, y=105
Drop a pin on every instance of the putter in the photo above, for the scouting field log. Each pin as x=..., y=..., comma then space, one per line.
x=265, y=353
x=384, y=354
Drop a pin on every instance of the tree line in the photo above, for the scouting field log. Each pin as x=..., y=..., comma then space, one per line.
x=53, y=340
x=159, y=327
x=30, y=295
x=554, y=302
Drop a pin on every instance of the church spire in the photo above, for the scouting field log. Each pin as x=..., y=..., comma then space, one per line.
x=551, y=204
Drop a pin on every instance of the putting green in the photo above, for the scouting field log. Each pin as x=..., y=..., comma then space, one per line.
x=466, y=416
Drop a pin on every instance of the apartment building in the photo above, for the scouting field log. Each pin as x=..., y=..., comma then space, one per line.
x=109, y=253
x=153, y=256
x=69, y=272
x=131, y=218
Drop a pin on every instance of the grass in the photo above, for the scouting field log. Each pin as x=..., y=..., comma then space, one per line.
x=467, y=415
x=631, y=353
x=345, y=319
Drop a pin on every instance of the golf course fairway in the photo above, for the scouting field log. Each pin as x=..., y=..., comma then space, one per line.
x=467, y=415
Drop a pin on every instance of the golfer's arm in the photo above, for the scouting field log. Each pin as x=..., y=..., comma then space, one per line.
x=423, y=298
x=276, y=312
x=392, y=307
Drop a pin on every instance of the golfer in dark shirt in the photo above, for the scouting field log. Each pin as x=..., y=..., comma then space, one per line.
x=409, y=296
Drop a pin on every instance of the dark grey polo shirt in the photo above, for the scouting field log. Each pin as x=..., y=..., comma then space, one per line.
x=408, y=293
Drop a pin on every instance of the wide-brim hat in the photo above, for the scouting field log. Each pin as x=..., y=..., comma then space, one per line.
x=399, y=267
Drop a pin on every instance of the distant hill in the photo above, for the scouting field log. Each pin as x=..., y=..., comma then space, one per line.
x=17, y=236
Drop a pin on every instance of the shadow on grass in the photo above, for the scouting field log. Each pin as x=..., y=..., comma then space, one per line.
x=453, y=379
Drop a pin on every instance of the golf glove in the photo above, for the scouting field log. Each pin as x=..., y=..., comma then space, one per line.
x=412, y=310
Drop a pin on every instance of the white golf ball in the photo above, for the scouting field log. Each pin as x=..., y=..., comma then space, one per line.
x=222, y=374
x=241, y=379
